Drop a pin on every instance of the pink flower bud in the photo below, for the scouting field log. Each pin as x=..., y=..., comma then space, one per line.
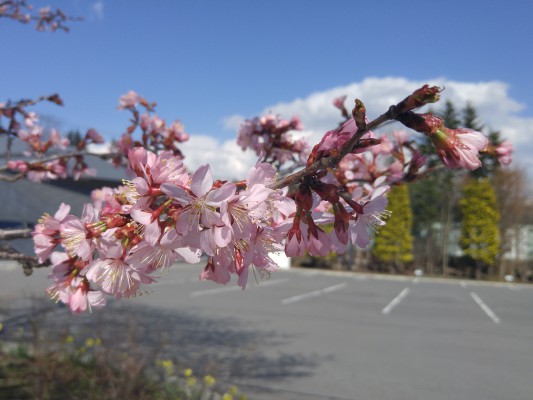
x=503, y=152
x=339, y=102
x=420, y=97
x=94, y=136
x=459, y=148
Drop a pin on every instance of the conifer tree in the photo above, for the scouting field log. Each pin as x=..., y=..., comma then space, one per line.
x=480, y=236
x=450, y=115
x=470, y=118
x=394, y=244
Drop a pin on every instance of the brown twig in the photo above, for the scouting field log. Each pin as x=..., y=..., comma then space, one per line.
x=27, y=262
x=10, y=234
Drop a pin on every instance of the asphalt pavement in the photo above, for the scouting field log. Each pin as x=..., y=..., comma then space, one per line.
x=310, y=334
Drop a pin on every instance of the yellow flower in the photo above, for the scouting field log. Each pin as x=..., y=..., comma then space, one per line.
x=191, y=381
x=187, y=372
x=1, y=326
x=167, y=365
x=233, y=390
x=227, y=396
x=209, y=380
x=89, y=342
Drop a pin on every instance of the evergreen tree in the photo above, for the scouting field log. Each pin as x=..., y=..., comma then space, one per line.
x=450, y=115
x=480, y=235
x=74, y=136
x=470, y=118
x=394, y=243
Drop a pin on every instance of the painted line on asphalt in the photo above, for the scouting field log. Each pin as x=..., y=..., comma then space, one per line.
x=388, y=308
x=485, y=307
x=304, y=296
x=513, y=287
x=463, y=284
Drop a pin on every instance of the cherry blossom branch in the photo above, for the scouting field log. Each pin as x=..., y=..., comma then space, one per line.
x=10, y=111
x=19, y=105
x=328, y=162
x=332, y=157
x=32, y=165
x=27, y=262
x=21, y=11
x=168, y=213
x=24, y=258
x=155, y=135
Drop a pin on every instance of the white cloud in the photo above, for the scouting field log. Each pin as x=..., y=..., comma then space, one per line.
x=227, y=160
x=97, y=9
x=233, y=122
x=495, y=108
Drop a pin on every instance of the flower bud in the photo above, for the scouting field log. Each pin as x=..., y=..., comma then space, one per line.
x=419, y=98
x=326, y=191
x=359, y=114
x=304, y=197
x=459, y=148
x=423, y=123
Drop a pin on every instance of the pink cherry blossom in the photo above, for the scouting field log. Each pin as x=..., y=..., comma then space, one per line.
x=339, y=102
x=459, y=148
x=46, y=233
x=334, y=140
x=130, y=99
x=162, y=255
x=296, y=242
x=217, y=270
x=75, y=236
x=200, y=203
x=373, y=212
x=269, y=137
x=503, y=152
x=94, y=136
x=114, y=274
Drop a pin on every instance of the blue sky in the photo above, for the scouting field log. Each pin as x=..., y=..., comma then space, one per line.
x=208, y=63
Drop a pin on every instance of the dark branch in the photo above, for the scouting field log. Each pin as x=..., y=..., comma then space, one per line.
x=10, y=234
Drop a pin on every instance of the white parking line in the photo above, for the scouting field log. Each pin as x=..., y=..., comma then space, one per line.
x=513, y=287
x=485, y=307
x=313, y=294
x=395, y=301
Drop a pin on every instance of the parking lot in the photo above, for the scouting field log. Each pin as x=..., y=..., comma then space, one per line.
x=306, y=334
